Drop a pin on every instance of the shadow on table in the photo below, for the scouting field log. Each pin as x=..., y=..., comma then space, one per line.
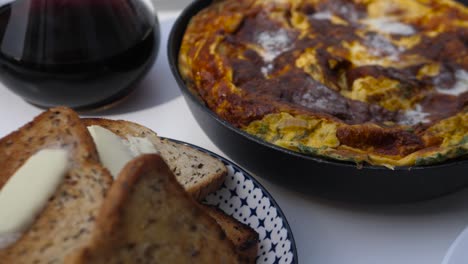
x=450, y=203
x=156, y=88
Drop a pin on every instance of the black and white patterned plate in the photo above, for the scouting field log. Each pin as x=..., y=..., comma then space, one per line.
x=244, y=198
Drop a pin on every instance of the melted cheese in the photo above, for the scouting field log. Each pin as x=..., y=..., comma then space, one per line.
x=366, y=88
x=460, y=86
x=415, y=116
x=387, y=25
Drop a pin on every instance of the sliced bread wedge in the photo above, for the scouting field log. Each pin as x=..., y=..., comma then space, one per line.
x=66, y=222
x=198, y=172
x=244, y=238
x=149, y=218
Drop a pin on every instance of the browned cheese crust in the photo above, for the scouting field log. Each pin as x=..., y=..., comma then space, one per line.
x=383, y=82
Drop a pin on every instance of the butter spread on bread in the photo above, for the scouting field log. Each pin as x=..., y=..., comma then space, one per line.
x=114, y=151
x=69, y=219
x=66, y=221
x=29, y=194
x=198, y=172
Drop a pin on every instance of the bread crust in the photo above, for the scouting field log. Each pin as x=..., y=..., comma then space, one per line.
x=175, y=230
x=244, y=238
x=83, y=217
x=198, y=172
x=69, y=217
x=59, y=127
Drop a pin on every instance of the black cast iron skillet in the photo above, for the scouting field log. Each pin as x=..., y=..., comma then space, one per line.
x=314, y=175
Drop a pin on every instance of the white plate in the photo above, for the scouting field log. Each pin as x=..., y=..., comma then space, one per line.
x=458, y=251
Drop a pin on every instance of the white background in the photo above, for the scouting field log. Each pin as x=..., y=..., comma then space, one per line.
x=326, y=232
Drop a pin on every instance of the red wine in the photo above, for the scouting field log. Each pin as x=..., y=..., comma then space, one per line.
x=79, y=53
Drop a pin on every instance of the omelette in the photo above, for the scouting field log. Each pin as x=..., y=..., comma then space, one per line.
x=367, y=81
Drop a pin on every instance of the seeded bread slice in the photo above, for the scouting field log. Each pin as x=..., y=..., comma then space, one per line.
x=149, y=218
x=198, y=172
x=244, y=238
x=66, y=222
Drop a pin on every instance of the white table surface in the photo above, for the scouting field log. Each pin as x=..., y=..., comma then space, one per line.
x=325, y=232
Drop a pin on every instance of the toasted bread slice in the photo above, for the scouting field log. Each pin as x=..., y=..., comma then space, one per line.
x=67, y=220
x=149, y=218
x=198, y=172
x=244, y=238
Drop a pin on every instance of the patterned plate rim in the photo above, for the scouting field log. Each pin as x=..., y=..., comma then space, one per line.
x=257, y=184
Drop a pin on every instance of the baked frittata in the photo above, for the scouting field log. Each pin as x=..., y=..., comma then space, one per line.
x=368, y=81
